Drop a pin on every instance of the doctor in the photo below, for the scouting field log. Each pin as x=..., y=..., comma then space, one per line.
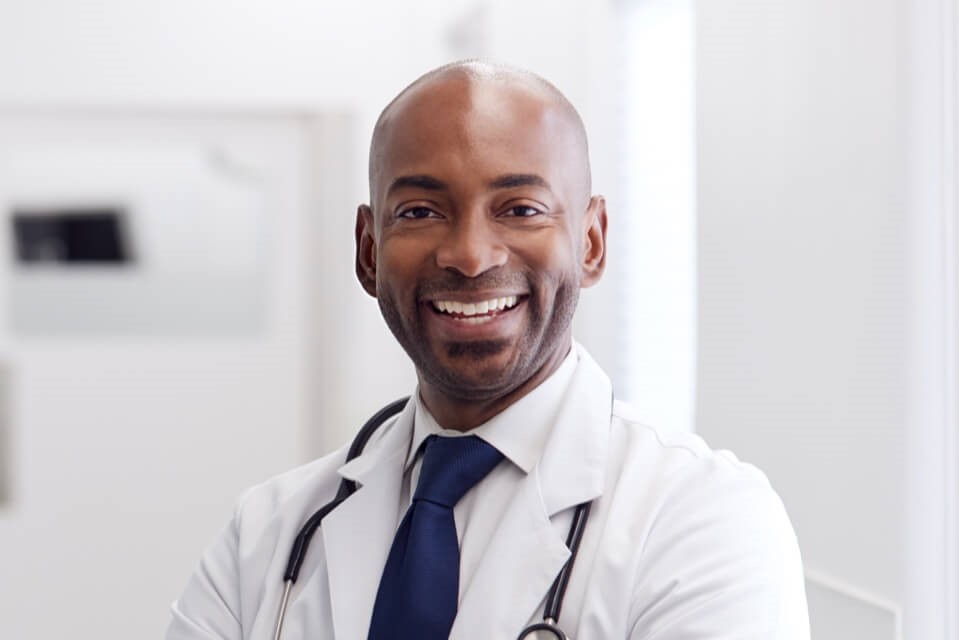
x=479, y=234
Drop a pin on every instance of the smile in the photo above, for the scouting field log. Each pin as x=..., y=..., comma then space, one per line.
x=475, y=312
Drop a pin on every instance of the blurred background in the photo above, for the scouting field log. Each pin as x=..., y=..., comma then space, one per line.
x=179, y=318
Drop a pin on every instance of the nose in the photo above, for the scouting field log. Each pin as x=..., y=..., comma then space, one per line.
x=472, y=246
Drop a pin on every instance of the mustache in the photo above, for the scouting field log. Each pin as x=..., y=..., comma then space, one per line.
x=454, y=281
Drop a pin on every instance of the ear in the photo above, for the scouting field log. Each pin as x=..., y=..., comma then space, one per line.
x=366, y=249
x=594, y=242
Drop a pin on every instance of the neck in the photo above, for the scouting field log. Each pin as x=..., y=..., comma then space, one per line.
x=463, y=414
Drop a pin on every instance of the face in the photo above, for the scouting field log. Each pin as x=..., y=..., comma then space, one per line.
x=480, y=234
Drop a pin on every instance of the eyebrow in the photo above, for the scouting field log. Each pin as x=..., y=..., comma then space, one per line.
x=511, y=180
x=506, y=181
x=417, y=182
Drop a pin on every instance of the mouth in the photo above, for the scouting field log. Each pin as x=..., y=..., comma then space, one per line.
x=478, y=312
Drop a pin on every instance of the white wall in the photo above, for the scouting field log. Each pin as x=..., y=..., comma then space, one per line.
x=821, y=293
x=127, y=449
x=801, y=286
x=931, y=110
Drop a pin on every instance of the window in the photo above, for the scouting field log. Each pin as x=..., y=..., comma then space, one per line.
x=657, y=233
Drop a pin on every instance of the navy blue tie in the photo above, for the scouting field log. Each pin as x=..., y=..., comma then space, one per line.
x=419, y=589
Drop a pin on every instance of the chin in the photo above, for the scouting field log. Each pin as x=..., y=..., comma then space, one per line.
x=477, y=351
x=475, y=370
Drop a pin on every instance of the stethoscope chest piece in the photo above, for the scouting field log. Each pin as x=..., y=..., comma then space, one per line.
x=547, y=626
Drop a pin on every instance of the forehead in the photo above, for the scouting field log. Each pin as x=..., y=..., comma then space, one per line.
x=464, y=128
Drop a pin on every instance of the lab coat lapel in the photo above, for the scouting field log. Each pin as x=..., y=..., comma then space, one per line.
x=357, y=536
x=520, y=563
x=573, y=466
x=527, y=551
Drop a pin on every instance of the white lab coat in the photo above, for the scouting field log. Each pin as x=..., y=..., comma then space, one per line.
x=683, y=543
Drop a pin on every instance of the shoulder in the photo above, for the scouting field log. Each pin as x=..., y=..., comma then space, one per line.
x=686, y=483
x=679, y=460
x=708, y=531
x=697, y=504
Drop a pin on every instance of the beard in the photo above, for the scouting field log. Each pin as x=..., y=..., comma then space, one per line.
x=478, y=370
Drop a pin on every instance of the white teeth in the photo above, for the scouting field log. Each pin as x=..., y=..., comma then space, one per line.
x=469, y=309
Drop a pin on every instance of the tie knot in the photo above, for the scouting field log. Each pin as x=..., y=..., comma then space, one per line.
x=451, y=466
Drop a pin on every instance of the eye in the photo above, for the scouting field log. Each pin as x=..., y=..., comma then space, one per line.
x=523, y=211
x=417, y=213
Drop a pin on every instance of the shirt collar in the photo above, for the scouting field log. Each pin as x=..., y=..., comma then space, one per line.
x=519, y=432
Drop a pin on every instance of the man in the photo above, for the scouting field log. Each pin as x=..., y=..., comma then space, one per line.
x=479, y=234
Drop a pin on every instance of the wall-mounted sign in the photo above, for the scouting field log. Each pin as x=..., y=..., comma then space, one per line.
x=134, y=239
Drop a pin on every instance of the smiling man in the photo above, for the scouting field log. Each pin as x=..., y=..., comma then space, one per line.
x=511, y=464
x=480, y=234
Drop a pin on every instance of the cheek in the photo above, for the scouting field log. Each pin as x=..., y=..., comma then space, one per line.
x=551, y=259
x=396, y=265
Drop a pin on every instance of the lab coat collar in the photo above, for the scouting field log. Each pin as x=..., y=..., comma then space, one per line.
x=526, y=544
x=385, y=443
x=573, y=466
x=573, y=460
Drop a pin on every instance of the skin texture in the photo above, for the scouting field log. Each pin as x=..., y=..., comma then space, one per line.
x=479, y=189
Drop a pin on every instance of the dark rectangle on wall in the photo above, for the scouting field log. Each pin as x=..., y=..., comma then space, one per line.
x=63, y=236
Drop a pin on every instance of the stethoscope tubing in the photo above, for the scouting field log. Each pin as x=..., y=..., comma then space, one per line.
x=345, y=490
x=557, y=591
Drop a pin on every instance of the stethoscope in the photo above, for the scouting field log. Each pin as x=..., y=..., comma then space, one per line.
x=554, y=599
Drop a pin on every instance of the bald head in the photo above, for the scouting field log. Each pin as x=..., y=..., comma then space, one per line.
x=469, y=90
